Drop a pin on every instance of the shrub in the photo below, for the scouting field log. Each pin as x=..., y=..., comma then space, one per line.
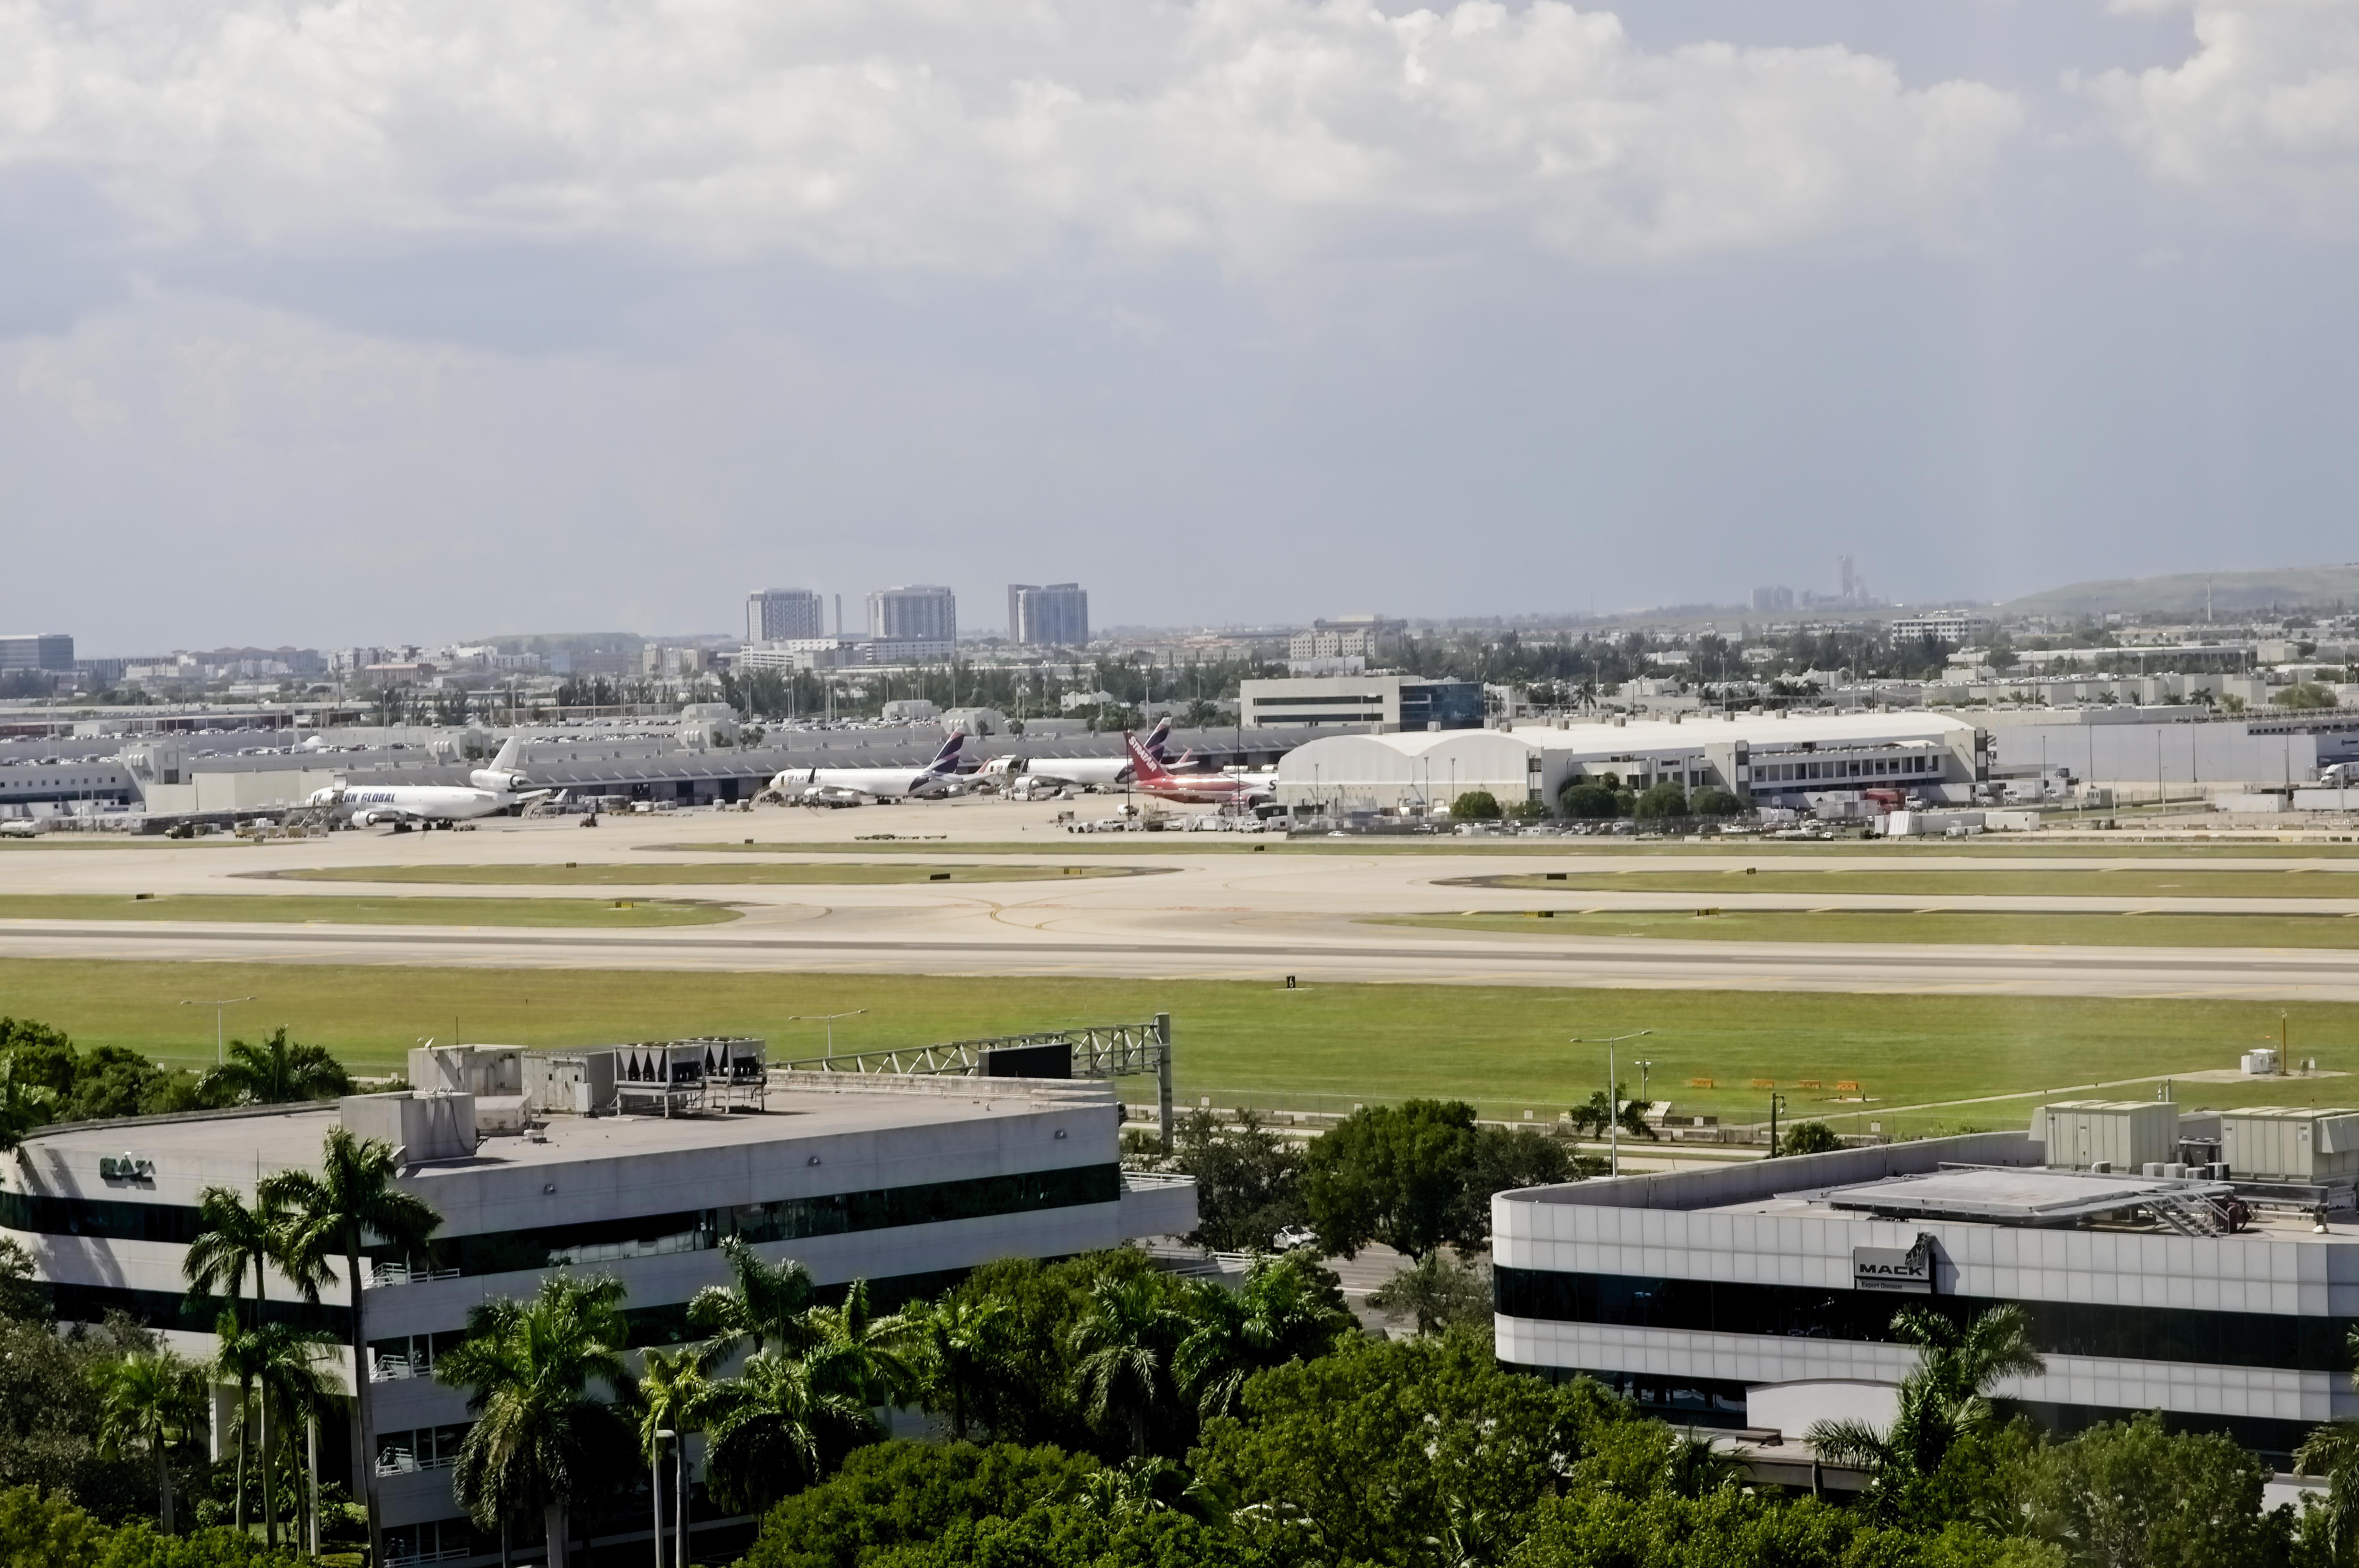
x=1589, y=799
x=1808, y=1138
x=1713, y=801
x=1665, y=799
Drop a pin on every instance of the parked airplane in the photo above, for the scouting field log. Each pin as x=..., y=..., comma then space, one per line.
x=1081, y=772
x=1197, y=789
x=938, y=777
x=497, y=788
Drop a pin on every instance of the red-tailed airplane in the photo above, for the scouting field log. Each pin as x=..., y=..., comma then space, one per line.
x=1151, y=777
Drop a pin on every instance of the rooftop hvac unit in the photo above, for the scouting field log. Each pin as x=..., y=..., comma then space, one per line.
x=2120, y=1135
x=2290, y=1143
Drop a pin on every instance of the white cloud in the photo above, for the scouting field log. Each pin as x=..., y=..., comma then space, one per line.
x=936, y=132
x=2270, y=96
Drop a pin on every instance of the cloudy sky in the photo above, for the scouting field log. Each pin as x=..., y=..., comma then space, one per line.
x=417, y=319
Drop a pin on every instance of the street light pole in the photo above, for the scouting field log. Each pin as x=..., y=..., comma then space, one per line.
x=219, y=1052
x=829, y=1018
x=1613, y=1098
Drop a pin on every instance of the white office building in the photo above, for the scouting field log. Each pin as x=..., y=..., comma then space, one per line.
x=1057, y=616
x=1762, y=1294
x=633, y=1162
x=49, y=652
x=779, y=614
x=921, y=612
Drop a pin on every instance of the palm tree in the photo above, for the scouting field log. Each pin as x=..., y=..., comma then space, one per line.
x=149, y=1402
x=233, y=1239
x=540, y=1439
x=779, y=1425
x=1945, y=1397
x=965, y=1344
x=2333, y=1451
x=352, y=1193
x=295, y=1390
x=672, y=1387
x=278, y=1072
x=1125, y=1345
x=1282, y=1312
x=877, y=1356
x=768, y=1306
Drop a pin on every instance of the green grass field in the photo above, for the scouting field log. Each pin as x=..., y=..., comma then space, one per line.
x=1939, y=927
x=1926, y=881
x=339, y=910
x=686, y=874
x=1322, y=1046
x=1849, y=852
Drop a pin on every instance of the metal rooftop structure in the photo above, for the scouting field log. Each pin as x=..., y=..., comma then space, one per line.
x=2015, y=1196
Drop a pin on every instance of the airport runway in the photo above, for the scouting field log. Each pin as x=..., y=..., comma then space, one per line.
x=1221, y=915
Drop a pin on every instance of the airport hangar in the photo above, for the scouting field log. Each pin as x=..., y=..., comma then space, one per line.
x=2204, y=1266
x=1762, y=759
x=629, y=1160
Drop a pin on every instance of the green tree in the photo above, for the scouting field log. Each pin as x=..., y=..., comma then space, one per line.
x=1662, y=800
x=2132, y=1495
x=672, y=1387
x=766, y=1307
x=1285, y=1309
x=235, y=1239
x=1811, y=1138
x=1594, y=1117
x=903, y=1496
x=1440, y=1292
x=875, y=1356
x=148, y=1403
x=2303, y=695
x=1364, y=1455
x=2333, y=1451
x=1248, y=1179
x=278, y=1072
x=1592, y=800
x=782, y=1423
x=1942, y=1400
x=540, y=1440
x=1475, y=806
x=293, y=1389
x=966, y=1351
x=1034, y=1402
x=352, y=1195
x=1124, y=1348
x=1713, y=801
x=1393, y=1173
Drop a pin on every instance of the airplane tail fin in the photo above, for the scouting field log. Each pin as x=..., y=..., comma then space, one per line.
x=511, y=753
x=946, y=760
x=1159, y=738
x=1146, y=769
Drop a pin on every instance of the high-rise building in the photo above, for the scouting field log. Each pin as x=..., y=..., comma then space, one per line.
x=50, y=651
x=776, y=614
x=1057, y=616
x=1770, y=598
x=917, y=612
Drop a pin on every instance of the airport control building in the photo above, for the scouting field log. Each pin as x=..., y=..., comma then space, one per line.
x=2207, y=1268
x=634, y=1162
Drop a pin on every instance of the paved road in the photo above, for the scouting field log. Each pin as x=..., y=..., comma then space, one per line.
x=1234, y=915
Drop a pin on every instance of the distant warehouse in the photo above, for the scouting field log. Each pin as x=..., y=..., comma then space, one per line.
x=1765, y=760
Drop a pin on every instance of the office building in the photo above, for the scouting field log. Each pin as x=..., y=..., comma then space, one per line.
x=1346, y=637
x=1952, y=628
x=1772, y=599
x=49, y=652
x=777, y=614
x=1763, y=758
x=1763, y=1294
x=633, y=1162
x=921, y=613
x=1383, y=702
x=1057, y=616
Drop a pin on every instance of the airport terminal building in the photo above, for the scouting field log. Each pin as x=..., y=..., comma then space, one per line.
x=1762, y=1295
x=634, y=1162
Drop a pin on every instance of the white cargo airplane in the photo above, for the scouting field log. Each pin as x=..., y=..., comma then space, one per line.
x=835, y=786
x=1081, y=772
x=488, y=790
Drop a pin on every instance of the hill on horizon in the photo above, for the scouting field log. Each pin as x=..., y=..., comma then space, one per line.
x=2231, y=593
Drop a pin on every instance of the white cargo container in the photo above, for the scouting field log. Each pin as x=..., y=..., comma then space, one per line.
x=2125, y=1134
x=2290, y=1143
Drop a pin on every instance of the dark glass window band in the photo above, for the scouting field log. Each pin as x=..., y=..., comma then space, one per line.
x=170, y=1309
x=1796, y=1312
x=609, y=1241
